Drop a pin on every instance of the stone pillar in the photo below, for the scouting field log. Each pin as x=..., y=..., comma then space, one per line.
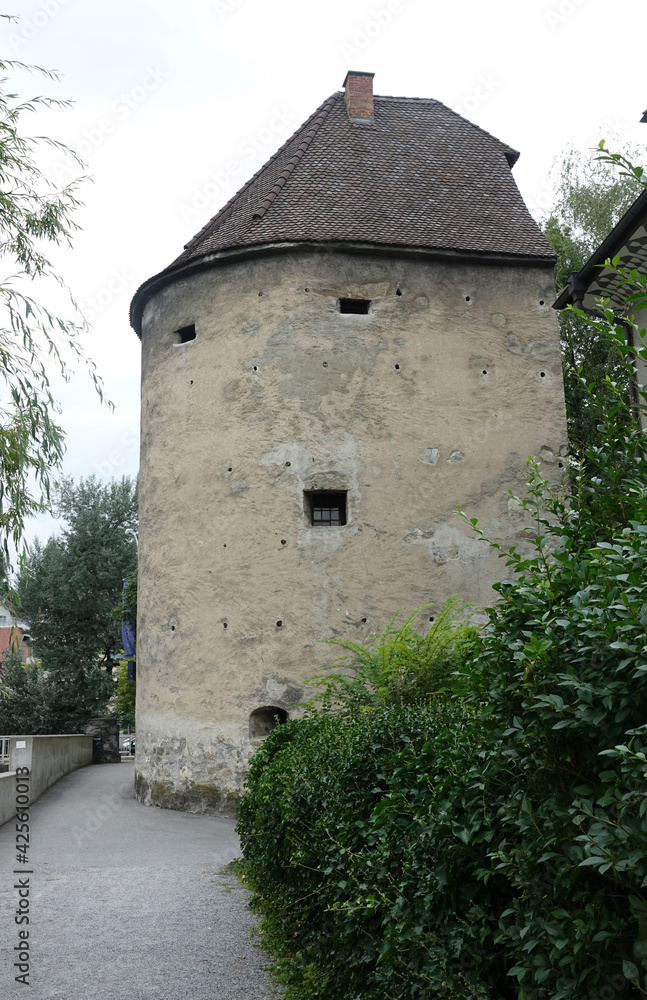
x=105, y=736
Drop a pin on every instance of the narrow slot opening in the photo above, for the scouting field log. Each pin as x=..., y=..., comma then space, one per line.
x=358, y=306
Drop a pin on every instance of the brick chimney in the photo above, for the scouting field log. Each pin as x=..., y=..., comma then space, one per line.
x=358, y=95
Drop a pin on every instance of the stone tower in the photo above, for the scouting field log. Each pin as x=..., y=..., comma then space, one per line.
x=358, y=343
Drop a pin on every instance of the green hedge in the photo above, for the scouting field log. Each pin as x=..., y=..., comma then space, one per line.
x=489, y=841
x=408, y=852
x=354, y=833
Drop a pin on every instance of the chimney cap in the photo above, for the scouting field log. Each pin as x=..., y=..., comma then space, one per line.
x=356, y=72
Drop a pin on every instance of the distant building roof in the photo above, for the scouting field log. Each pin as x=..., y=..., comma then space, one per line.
x=12, y=638
x=415, y=176
x=628, y=241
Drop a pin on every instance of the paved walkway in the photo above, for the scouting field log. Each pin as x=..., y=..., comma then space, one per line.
x=127, y=902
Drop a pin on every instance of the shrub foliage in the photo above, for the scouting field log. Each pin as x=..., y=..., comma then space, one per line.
x=488, y=840
x=400, y=666
x=355, y=833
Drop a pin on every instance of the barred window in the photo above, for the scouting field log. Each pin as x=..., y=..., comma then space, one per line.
x=326, y=508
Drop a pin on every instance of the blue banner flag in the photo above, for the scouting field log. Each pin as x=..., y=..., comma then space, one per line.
x=128, y=632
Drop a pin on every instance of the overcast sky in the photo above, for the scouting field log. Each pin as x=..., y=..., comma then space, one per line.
x=176, y=105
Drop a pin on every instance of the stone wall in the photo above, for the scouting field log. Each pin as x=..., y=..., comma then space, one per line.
x=431, y=401
x=105, y=736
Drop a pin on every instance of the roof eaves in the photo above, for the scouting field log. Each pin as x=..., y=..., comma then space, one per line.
x=177, y=271
x=579, y=281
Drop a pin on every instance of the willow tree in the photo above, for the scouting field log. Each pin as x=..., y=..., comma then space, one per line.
x=36, y=215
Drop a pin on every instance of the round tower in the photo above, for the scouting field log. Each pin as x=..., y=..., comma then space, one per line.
x=359, y=343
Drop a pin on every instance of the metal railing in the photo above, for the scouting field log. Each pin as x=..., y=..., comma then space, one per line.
x=4, y=749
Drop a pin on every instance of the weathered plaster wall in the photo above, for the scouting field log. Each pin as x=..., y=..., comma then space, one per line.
x=432, y=401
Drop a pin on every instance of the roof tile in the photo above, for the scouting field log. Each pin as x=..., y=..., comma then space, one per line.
x=419, y=176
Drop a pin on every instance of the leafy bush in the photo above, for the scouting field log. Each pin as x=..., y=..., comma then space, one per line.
x=489, y=843
x=563, y=681
x=354, y=834
x=402, y=665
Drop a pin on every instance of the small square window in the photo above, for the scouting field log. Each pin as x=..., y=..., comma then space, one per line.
x=326, y=508
x=358, y=306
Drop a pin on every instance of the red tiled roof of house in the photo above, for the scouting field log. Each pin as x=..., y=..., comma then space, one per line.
x=10, y=637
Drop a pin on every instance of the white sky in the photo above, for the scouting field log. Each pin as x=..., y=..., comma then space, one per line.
x=177, y=104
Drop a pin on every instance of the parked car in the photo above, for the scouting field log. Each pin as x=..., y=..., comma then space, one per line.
x=128, y=745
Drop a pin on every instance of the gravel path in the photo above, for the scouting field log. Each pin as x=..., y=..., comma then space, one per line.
x=127, y=902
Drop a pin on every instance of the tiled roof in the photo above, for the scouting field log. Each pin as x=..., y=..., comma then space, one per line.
x=420, y=177
x=628, y=241
x=10, y=638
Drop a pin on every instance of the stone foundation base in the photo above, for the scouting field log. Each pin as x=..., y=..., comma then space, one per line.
x=208, y=799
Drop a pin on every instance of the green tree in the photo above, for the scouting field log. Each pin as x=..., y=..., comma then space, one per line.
x=125, y=696
x=126, y=610
x=68, y=590
x=23, y=698
x=590, y=198
x=39, y=701
x=35, y=214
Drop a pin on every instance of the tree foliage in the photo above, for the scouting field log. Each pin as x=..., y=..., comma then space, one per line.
x=591, y=197
x=487, y=843
x=37, y=701
x=125, y=695
x=68, y=590
x=23, y=701
x=126, y=613
x=35, y=215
